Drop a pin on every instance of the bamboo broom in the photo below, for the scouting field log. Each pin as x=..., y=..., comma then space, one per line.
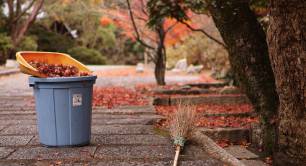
x=182, y=128
x=182, y=125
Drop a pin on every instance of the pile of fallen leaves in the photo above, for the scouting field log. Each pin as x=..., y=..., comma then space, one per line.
x=148, y=89
x=196, y=95
x=209, y=108
x=230, y=121
x=215, y=121
x=57, y=70
x=118, y=96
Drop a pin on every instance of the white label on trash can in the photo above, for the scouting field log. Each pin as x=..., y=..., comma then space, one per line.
x=76, y=100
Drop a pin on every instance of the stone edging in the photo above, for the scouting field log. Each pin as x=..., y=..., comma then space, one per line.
x=8, y=72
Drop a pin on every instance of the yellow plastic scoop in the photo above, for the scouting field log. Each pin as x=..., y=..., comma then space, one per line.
x=24, y=57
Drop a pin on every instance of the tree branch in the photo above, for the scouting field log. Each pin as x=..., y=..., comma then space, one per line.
x=141, y=18
x=143, y=8
x=171, y=27
x=28, y=21
x=135, y=27
x=205, y=33
x=10, y=4
x=20, y=14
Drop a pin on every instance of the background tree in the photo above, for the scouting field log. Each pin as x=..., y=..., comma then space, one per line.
x=132, y=19
x=21, y=15
x=245, y=41
x=155, y=45
x=287, y=47
x=81, y=16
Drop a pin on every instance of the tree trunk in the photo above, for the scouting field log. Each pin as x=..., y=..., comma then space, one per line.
x=28, y=22
x=287, y=46
x=17, y=24
x=160, y=63
x=2, y=57
x=248, y=55
x=160, y=69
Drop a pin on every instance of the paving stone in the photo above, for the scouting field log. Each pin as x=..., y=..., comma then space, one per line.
x=130, y=140
x=122, y=129
x=17, y=117
x=109, y=116
x=53, y=153
x=126, y=121
x=17, y=163
x=135, y=152
x=20, y=130
x=194, y=152
x=127, y=111
x=232, y=134
x=218, y=99
x=2, y=127
x=14, y=140
x=120, y=140
x=241, y=152
x=18, y=122
x=34, y=141
x=135, y=163
x=254, y=163
x=209, y=162
x=14, y=112
x=5, y=151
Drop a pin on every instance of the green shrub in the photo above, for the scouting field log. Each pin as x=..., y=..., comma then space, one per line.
x=28, y=43
x=87, y=56
x=5, y=45
x=199, y=50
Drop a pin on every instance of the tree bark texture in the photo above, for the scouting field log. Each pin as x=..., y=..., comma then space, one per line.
x=2, y=57
x=287, y=47
x=160, y=64
x=28, y=22
x=248, y=55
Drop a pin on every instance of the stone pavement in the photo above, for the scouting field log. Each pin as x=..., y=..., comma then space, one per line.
x=122, y=136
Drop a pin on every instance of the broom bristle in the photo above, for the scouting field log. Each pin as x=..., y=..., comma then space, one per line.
x=183, y=121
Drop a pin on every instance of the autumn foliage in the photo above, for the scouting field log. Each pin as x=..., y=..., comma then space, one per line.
x=120, y=17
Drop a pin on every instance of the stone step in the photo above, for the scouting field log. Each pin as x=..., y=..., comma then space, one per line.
x=217, y=99
x=208, y=85
x=196, y=91
x=245, y=155
x=234, y=135
x=241, y=114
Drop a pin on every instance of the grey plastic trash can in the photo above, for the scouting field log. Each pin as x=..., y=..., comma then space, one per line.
x=63, y=107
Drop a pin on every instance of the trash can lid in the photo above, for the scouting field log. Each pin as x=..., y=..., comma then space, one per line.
x=33, y=80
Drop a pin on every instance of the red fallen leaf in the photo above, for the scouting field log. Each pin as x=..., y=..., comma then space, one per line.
x=268, y=160
x=116, y=96
x=58, y=163
x=210, y=108
x=223, y=143
x=244, y=143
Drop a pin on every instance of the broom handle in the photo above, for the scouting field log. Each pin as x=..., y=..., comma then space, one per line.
x=177, y=153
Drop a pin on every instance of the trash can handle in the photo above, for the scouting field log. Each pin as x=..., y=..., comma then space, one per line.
x=32, y=85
